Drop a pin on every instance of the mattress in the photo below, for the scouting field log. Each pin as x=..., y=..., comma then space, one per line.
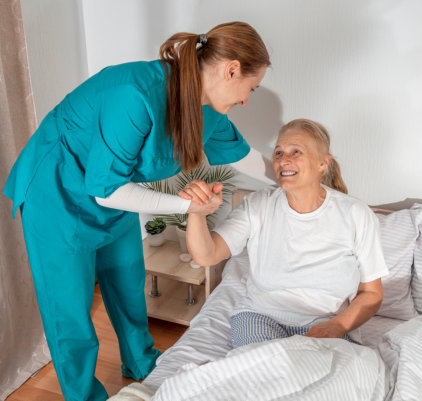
x=208, y=337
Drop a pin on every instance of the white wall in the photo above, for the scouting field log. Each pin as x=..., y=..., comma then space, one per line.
x=56, y=49
x=128, y=30
x=354, y=66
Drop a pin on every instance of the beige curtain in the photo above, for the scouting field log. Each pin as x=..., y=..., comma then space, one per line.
x=23, y=348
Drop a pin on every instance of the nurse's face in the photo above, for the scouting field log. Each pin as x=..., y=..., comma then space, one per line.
x=224, y=86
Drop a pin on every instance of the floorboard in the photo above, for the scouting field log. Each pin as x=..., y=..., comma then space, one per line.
x=44, y=386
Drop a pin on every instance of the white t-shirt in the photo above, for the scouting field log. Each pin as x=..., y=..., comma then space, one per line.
x=304, y=268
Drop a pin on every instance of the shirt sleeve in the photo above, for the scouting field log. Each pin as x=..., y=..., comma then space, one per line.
x=368, y=250
x=236, y=228
x=226, y=144
x=122, y=122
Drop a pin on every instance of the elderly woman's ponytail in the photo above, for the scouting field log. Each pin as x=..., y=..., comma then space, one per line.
x=182, y=55
x=332, y=176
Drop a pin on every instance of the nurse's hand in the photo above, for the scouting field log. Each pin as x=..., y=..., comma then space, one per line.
x=328, y=329
x=200, y=192
x=206, y=198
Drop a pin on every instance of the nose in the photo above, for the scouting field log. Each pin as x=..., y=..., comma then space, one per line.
x=285, y=160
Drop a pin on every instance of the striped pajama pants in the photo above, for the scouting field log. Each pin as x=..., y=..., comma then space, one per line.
x=251, y=327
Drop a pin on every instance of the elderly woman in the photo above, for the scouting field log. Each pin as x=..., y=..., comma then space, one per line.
x=315, y=253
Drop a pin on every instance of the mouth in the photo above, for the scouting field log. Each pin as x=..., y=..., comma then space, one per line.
x=288, y=173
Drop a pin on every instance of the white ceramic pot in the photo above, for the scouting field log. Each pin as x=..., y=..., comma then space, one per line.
x=181, y=235
x=156, y=239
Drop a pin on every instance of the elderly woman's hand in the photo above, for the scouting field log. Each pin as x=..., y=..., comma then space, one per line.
x=206, y=198
x=329, y=329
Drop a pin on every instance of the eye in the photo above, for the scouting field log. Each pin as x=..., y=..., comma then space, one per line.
x=297, y=152
x=278, y=153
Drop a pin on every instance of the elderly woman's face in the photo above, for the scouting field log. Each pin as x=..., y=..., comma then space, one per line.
x=296, y=161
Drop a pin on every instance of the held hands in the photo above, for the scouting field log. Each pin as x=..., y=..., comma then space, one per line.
x=206, y=198
x=328, y=329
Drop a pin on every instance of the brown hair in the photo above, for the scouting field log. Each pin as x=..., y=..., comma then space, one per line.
x=183, y=53
x=332, y=175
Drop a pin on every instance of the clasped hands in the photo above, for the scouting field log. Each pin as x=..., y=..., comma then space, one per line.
x=206, y=198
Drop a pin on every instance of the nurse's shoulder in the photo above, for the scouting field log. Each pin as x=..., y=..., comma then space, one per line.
x=144, y=75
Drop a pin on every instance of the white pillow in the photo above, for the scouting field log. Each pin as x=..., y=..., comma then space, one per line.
x=398, y=237
x=416, y=284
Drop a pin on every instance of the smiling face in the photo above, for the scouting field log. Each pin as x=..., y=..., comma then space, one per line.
x=224, y=86
x=297, y=161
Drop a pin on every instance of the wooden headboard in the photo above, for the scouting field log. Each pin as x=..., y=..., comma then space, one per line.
x=239, y=194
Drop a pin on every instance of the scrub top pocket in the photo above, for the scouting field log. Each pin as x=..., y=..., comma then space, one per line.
x=62, y=214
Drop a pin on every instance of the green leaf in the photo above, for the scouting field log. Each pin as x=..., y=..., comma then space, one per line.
x=222, y=174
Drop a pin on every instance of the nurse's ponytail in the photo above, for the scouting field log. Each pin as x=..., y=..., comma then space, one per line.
x=184, y=53
x=332, y=175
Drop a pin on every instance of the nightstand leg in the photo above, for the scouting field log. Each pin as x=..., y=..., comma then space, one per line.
x=154, y=293
x=190, y=300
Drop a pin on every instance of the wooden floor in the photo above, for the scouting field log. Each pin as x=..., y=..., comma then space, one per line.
x=44, y=385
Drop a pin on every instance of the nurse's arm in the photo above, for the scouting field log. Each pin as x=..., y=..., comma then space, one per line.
x=132, y=197
x=366, y=303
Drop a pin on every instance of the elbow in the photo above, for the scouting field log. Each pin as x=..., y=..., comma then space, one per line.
x=101, y=201
x=205, y=256
x=378, y=301
x=375, y=301
x=201, y=259
x=376, y=306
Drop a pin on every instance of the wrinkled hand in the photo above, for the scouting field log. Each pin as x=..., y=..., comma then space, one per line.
x=206, y=198
x=328, y=329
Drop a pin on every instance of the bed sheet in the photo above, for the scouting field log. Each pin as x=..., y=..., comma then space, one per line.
x=208, y=337
x=297, y=368
x=302, y=369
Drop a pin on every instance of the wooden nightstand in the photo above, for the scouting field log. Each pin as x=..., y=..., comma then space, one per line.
x=177, y=282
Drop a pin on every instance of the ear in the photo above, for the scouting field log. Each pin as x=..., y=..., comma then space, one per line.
x=325, y=162
x=232, y=70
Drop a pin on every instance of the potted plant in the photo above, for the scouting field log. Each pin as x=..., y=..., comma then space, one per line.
x=222, y=174
x=155, y=229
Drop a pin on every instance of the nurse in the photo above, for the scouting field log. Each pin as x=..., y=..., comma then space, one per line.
x=75, y=184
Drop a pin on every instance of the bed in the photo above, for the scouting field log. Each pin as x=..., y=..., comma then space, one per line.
x=202, y=364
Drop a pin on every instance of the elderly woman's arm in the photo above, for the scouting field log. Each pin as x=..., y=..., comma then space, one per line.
x=366, y=303
x=206, y=248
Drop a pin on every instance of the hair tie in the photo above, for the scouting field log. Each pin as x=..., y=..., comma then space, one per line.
x=203, y=39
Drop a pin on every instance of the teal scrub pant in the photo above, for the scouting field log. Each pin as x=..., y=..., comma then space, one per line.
x=64, y=285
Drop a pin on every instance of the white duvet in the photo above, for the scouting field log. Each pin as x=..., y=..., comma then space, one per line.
x=301, y=368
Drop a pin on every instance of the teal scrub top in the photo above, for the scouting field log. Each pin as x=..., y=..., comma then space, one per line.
x=110, y=130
